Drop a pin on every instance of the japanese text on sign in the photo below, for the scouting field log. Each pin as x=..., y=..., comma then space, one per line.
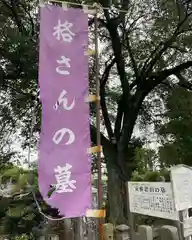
x=64, y=183
x=152, y=198
x=63, y=32
x=64, y=164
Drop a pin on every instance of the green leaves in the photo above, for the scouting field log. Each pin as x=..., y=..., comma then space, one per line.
x=151, y=176
x=18, y=213
x=177, y=132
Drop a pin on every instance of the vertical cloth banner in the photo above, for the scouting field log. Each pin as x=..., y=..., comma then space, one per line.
x=65, y=133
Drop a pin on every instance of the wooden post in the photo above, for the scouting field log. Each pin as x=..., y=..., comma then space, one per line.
x=129, y=214
x=98, y=114
x=97, y=81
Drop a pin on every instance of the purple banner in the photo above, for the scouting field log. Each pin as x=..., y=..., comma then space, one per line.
x=65, y=135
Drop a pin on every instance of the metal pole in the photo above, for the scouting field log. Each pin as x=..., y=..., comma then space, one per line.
x=98, y=117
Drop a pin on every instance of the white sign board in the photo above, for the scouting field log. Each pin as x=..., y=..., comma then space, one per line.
x=187, y=227
x=181, y=178
x=153, y=199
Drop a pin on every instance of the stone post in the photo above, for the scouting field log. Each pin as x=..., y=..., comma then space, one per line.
x=144, y=233
x=169, y=232
x=108, y=231
x=122, y=232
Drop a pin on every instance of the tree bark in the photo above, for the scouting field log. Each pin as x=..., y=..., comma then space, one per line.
x=116, y=197
x=120, y=165
x=116, y=188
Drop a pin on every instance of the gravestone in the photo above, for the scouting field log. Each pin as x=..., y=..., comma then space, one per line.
x=122, y=232
x=144, y=233
x=169, y=232
x=108, y=231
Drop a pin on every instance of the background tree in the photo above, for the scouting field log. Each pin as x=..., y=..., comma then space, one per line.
x=176, y=133
x=146, y=48
x=145, y=159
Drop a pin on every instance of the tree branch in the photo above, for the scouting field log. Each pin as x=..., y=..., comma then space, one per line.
x=12, y=8
x=130, y=29
x=168, y=85
x=103, y=101
x=156, y=54
x=133, y=62
x=159, y=77
x=183, y=82
x=118, y=121
x=112, y=25
x=175, y=70
x=104, y=140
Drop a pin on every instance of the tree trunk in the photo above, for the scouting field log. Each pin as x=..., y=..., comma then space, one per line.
x=116, y=211
x=116, y=197
x=120, y=165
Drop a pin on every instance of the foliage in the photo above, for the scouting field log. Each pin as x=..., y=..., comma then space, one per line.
x=22, y=237
x=145, y=159
x=152, y=176
x=19, y=213
x=176, y=132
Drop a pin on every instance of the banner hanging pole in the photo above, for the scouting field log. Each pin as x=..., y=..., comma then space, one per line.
x=98, y=120
x=98, y=114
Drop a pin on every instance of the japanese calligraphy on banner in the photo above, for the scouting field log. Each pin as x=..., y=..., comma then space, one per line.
x=152, y=199
x=65, y=136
